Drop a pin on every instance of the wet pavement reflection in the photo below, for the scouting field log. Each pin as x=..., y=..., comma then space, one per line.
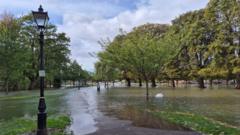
x=82, y=105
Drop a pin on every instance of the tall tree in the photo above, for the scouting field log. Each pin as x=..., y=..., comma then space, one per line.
x=12, y=53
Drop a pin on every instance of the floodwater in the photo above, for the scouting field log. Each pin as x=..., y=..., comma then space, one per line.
x=25, y=103
x=222, y=104
x=80, y=104
x=84, y=106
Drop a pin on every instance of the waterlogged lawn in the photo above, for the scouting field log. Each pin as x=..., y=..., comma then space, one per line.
x=217, y=109
x=24, y=103
x=18, y=112
x=198, y=123
x=16, y=126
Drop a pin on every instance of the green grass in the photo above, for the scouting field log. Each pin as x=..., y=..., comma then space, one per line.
x=19, y=126
x=17, y=97
x=198, y=123
x=194, y=122
x=59, y=122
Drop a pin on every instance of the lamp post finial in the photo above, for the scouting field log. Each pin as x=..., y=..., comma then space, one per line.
x=40, y=9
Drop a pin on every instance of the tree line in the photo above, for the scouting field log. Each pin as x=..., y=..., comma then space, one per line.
x=198, y=45
x=19, y=55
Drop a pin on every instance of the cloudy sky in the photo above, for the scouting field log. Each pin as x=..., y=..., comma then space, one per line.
x=88, y=21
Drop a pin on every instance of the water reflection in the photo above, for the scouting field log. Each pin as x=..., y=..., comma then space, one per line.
x=221, y=104
x=25, y=103
x=82, y=105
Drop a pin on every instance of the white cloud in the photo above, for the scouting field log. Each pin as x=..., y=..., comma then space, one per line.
x=86, y=29
x=87, y=21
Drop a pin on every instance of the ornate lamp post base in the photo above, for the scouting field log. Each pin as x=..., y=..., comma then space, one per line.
x=42, y=131
x=42, y=117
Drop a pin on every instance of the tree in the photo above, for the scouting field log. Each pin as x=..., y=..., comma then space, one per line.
x=56, y=51
x=119, y=62
x=194, y=37
x=29, y=37
x=12, y=53
x=19, y=52
x=141, y=53
x=223, y=16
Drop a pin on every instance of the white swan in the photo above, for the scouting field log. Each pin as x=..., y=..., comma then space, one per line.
x=159, y=95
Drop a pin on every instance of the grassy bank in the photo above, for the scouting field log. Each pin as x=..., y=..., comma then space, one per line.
x=169, y=120
x=198, y=123
x=16, y=126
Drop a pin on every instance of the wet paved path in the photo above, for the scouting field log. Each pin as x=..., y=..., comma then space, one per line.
x=87, y=119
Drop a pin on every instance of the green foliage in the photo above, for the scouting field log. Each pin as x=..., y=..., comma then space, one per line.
x=139, y=54
x=147, y=51
x=201, y=44
x=134, y=50
x=19, y=55
x=74, y=72
x=12, y=53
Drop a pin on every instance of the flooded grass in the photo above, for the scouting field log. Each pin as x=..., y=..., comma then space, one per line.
x=24, y=103
x=16, y=126
x=220, y=105
x=143, y=118
x=78, y=105
x=180, y=121
x=18, y=112
x=211, y=107
x=198, y=123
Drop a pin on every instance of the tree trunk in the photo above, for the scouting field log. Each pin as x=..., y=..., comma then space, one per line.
x=227, y=82
x=201, y=83
x=79, y=85
x=15, y=87
x=186, y=83
x=98, y=87
x=238, y=81
x=128, y=82
x=140, y=82
x=173, y=83
x=210, y=83
x=107, y=85
x=147, y=93
x=153, y=83
x=32, y=84
x=50, y=84
x=113, y=82
x=73, y=83
x=7, y=87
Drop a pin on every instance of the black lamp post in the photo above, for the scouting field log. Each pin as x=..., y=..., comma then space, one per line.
x=41, y=19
